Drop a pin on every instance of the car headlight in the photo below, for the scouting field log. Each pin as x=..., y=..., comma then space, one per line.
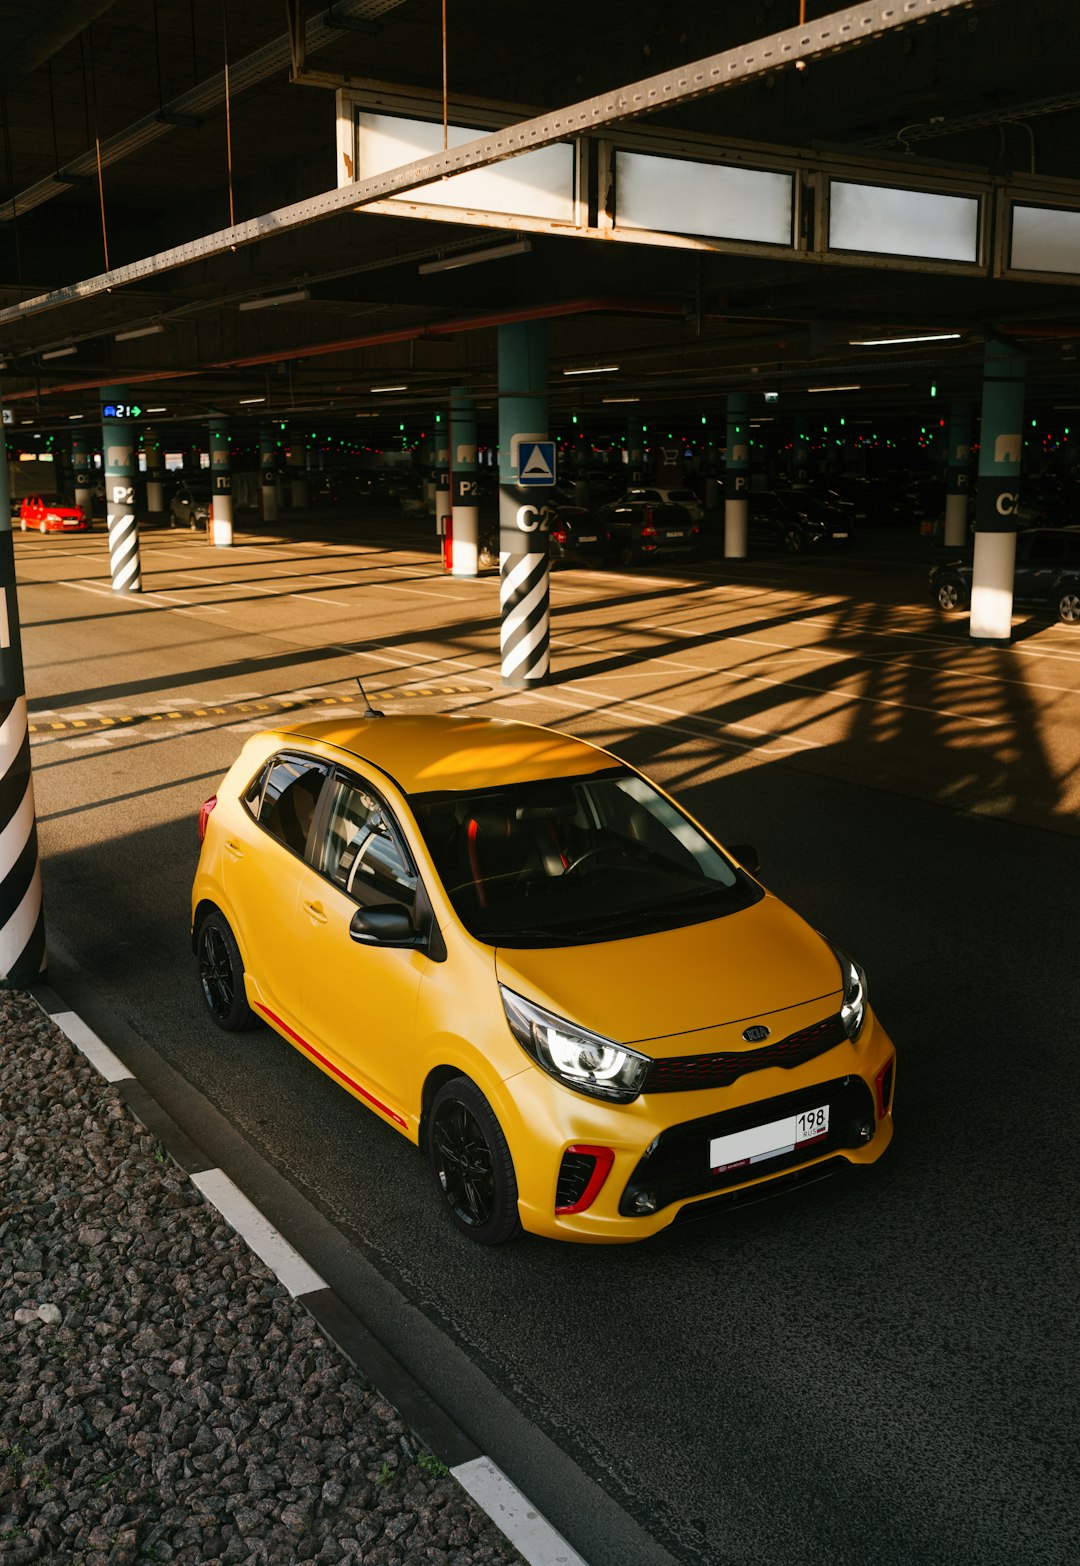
x=582, y=1060
x=853, y=1006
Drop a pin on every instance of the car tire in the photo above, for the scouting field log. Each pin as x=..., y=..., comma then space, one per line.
x=1068, y=604
x=628, y=555
x=471, y=1163
x=951, y=595
x=41, y=527
x=220, y=971
x=792, y=540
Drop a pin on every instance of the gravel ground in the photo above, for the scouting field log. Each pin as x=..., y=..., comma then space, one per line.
x=162, y=1397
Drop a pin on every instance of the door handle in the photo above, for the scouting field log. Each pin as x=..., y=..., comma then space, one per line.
x=233, y=849
x=315, y=912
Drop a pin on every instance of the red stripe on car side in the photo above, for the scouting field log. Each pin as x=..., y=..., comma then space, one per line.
x=329, y=1064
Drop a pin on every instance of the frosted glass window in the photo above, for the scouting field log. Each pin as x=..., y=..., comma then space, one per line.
x=536, y=184
x=675, y=196
x=903, y=222
x=1045, y=241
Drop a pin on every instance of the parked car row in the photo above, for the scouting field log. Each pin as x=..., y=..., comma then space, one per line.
x=1047, y=572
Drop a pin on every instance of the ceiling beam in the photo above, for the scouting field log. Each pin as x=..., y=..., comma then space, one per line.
x=188, y=107
x=839, y=31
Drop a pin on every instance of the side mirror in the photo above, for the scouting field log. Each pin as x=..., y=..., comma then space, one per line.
x=747, y=855
x=385, y=926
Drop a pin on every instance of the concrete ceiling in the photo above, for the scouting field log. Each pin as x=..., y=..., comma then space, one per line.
x=980, y=90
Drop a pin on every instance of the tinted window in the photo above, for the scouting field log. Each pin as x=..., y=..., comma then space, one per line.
x=283, y=798
x=360, y=850
x=576, y=859
x=1046, y=549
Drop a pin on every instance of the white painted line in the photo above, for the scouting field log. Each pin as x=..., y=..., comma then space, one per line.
x=98, y=1054
x=527, y=1529
x=287, y=1265
x=313, y=598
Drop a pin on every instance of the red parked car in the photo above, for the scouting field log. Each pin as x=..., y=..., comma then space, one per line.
x=49, y=514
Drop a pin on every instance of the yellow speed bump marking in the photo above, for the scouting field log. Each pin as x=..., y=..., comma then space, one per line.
x=272, y=704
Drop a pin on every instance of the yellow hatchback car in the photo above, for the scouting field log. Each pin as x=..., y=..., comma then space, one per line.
x=525, y=957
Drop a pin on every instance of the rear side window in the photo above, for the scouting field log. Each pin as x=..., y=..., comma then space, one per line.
x=283, y=798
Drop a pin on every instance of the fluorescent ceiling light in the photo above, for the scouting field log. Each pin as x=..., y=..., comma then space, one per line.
x=596, y=369
x=620, y=399
x=297, y=296
x=833, y=388
x=474, y=257
x=138, y=331
x=157, y=410
x=245, y=402
x=59, y=353
x=387, y=388
x=886, y=342
x=76, y=415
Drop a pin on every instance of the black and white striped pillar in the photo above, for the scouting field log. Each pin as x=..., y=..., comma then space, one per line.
x=22, y=922
x=525, y=461
x=119, y=464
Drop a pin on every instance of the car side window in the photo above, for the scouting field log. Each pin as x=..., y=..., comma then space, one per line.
x=361, y=850
x=283, y=798
x=1046, y=549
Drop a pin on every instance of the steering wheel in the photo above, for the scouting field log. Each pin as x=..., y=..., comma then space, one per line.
x=590, y=853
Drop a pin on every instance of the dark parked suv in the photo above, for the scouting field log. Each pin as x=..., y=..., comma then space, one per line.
x=794, y=520
x=1047, y=572
x=639, y=530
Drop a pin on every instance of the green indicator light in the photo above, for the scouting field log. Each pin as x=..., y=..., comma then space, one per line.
x=933, y=388
x=401, y=426
x=574, y=417
x=703, y=419
x=1033, y=424
x=842, y=423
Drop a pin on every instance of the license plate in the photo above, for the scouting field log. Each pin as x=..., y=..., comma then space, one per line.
x=759, y=1142
x=839, y=535
x=587, y=538
x=675, y=532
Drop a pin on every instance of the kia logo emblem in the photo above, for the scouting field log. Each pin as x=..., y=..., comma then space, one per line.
x=755, y=1034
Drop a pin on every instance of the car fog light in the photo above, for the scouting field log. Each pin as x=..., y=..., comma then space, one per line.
x=866, y=1131
x=645, y=1202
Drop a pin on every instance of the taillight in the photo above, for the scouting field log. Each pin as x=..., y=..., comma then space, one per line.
x=204, y=814
x=694, y=530
x=559, y=535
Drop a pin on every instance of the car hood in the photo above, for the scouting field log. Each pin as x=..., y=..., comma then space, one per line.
x=648, y=989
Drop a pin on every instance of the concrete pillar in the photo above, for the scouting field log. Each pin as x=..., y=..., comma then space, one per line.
x=464, y=483
x=1001, y=439
x=635, y=451
x=220, y=527
x=800, y=451
x=22, y=921
x=442, y=476
x=957, y=471
x=83, y=472
x=524, y=454
x=298, y=484
x=737, y=477
x=268, y=469
x=118, y=461
x=155, y=489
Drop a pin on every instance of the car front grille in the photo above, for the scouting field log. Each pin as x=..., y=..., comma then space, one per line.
x=682, y=1073
x=676, y=1165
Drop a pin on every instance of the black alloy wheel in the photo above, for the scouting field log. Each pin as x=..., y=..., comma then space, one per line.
x=793, y=539
x=628, y=554
x=950, y=594
x=471, y=1163
x=1068, y=605
x=220, y=969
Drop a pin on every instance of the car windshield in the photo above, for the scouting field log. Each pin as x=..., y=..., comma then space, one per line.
x=571, y=860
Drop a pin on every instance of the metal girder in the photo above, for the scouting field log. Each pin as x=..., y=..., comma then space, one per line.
x=189, y=106
x=1007, y=115
x=830, y=34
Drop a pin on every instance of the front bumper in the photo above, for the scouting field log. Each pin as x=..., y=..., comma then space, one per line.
x=660, y=1143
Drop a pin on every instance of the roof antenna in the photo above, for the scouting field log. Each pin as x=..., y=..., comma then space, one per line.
x=369, y=710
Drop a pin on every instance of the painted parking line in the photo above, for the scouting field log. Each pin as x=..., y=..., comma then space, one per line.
x=509, y=1508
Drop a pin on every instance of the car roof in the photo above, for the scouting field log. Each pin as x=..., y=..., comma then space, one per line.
x=426, y=754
